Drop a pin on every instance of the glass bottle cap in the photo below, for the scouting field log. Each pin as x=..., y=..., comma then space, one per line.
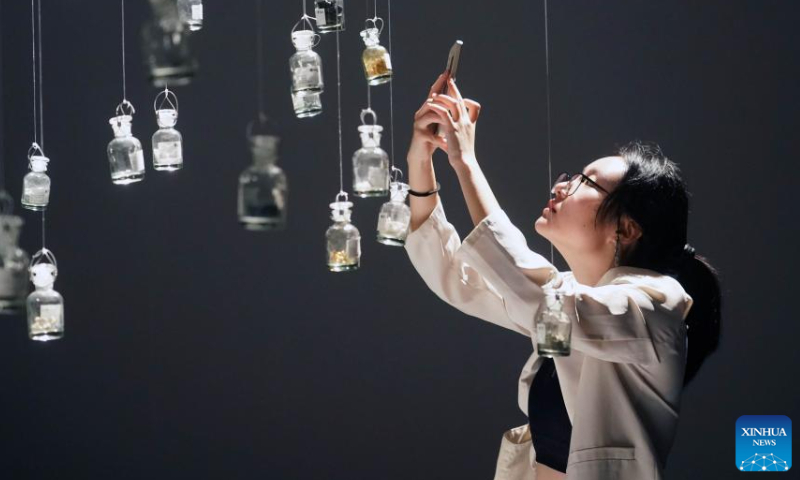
x=39, y=163
x=303, y=39
x=371, y=36
x=43, y=274
x=167, y=117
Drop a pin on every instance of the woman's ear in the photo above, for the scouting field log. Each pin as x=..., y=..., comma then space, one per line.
x=629, y=231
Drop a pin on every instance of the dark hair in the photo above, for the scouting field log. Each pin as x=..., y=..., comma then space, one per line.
x=653, y=194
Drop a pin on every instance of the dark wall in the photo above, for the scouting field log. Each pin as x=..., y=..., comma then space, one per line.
x=195, y=349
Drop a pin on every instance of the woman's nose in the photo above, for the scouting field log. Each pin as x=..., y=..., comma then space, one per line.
x=559, y=190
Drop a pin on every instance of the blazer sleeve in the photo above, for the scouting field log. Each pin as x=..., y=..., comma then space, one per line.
x=435, y=252
x=612, y=322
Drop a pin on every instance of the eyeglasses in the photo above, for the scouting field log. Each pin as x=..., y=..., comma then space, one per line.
x=574, y=182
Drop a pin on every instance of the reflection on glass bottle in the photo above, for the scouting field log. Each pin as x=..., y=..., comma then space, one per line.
x=191, y=13
x=395, y=216
x=45, y=305
x=306, y=69
x=343, y=238
x=263, y=188
x=553, y=325
x=125, y=154
x=376, y=60
x=330, y=15
x=13, y=260
x=370, y=162
x=168, y=53
x=36, y=184
x=167, y=142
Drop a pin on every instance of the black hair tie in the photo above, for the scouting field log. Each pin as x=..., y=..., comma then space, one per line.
x=425, y=194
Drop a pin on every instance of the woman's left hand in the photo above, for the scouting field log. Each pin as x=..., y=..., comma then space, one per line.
x=457, y=120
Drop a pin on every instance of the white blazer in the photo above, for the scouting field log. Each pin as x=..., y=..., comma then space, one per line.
x=622, y=381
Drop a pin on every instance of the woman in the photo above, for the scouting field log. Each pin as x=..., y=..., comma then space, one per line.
x=635, y=289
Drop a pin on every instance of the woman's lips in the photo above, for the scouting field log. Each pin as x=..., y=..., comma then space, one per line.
x=551, y=205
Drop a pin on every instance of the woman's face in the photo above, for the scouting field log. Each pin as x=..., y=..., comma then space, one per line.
x=569, y=221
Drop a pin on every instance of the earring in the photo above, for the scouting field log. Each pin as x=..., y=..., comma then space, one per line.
x=616, y=252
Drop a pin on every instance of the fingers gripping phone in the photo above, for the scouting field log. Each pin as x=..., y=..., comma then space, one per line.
x=450, y=72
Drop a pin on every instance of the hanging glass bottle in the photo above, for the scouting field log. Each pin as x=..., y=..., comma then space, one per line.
x=191, y=13
x=14, y=261
x=330, y=15
x=343, y=238
x=553, y=325
x=376, y=60
x=125, y=154
x=306, y=69
x=36, y=184
x=370, y=162
x=45, y=305
x=395, y=216
x=263, y=188
x=167, y=48
x=167, y=142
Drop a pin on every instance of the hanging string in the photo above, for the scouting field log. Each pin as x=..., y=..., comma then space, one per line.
x=260, y=59
x=304, y=8
x=369, y=88
x=391, y=84
x=43, y=229
x=41, y=79
x=547, y=90
x=124, y=84
x=339, y=107
x=33, y=66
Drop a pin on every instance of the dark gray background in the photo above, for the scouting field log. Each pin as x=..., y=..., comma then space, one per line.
x=195, y=349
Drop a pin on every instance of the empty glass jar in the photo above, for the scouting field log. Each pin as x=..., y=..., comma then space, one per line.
x=167, y=51
x=395, y=216
x=13, y=260
x=125, y=154
x=330, y=15
x=36, y=183
x=553, y=325
x=370, y=162
x=376, y=60
x=167, y=142
x=263, y=187
x=45, y=305
x=343, y=238
x=191, y=13
x=306, y=69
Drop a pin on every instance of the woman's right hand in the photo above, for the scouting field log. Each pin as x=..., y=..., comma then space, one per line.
x=423, y=141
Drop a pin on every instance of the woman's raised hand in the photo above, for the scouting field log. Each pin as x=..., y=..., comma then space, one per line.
x=423, y=141
x=456, y=117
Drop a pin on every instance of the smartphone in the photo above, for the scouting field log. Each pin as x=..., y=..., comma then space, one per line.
x=450, y=71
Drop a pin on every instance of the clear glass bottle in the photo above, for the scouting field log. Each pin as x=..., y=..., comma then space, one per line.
x=263, y=187
x=330, y=15
x=306, y=64
x=125, y=154
x=45, y=305
x=395, y=216
x=343, y=238
x=36, y=184
x=168, y=52
x=370, y=162
x=307, y=104
x=191, y=13
x=376, y=60
x=167, y=142
x=553, y=325
x=14, y=261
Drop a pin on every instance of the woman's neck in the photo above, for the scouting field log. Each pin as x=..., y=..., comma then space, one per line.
x=588, y=268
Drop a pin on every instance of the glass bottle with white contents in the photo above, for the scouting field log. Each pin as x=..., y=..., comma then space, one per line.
x=343, y=238
x=370, y=162
x=395, y=216
x=36, y=184
x=125, y=154
x=14, y=261
x=553, y=325
x=376, y=60
x=167, y=142
x=305, y=66
x=191, y=13
x=263, y=187
x=329, y=15
x=45, y=305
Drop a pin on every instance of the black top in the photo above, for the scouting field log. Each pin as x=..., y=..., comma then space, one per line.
x=548, y=419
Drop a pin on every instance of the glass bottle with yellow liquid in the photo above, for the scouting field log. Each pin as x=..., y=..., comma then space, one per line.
x=376, y=60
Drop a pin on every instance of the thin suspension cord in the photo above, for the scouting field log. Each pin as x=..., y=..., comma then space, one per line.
x=391, y=83
x=33, y=66
x=124, y=84
x=339, y=107
x=369, y=88
x=260, y=59
x=43, y=229
x=547, y=89
x=304, y=7
x=41, y=80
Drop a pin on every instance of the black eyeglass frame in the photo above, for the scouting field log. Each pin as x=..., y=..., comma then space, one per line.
x=563, y=176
